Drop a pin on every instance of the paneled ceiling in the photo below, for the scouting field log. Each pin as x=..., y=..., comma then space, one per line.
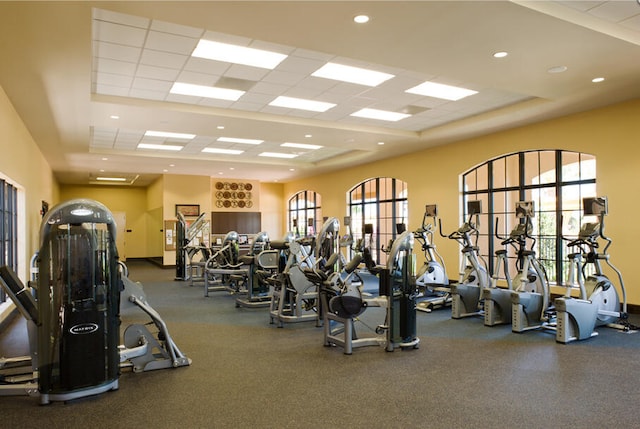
x=91, y=80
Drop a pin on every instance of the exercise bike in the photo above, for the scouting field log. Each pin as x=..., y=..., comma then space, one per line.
x=432, y=280
x=466, y=295
x=598, y=303
x=530, y=299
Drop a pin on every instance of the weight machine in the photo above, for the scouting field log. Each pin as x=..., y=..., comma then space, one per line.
x=72, y=308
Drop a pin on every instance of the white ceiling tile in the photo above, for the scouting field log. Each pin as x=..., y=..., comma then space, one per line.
x=181, y=30
x=247, y=106
x=147, y=95
x=632, y=23
x=300, y=65
x=163, y=59
x=581, y=5
x=120, y=34
x=104, y=65
x=114, y=80
x=170, y=43
x=120, y=18
x=201, y=65
x=226, y=38
x=269, y=88
x=212, y=102
x=320, y=56
x=177, y=98
x=246, y=72
x=116, y=52
x=151, y=84
x=160, y=73
x=284, y=78
x=197, y=78
x=616, y=11
x=112, y=90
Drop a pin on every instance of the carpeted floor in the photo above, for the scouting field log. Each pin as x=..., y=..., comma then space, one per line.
x=247, y=373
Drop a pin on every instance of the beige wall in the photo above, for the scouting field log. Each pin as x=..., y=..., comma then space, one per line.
x=612, y=134
x=131, y=201
x=272, y=207
x=24, y=166
x=182, y=189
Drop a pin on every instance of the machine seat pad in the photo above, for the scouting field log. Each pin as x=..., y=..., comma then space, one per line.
x=347, y=306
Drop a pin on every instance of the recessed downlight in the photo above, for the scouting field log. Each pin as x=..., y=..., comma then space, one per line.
x=500, y=54
x=597, y=79
x=557, y=69
x=361, y=19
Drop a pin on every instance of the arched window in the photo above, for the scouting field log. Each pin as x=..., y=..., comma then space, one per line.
x=555, y=180
x=382, y=202
x=305, y=213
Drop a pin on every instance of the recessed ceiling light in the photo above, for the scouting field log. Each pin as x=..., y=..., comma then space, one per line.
x=238, y=140
x=237, y=54
x=159, y=146
x=114, y=117
x=381, y=143
x=292, y=169
x=557, y=69
x=220, y=127
x=352, y=74
x=500, y=54
x=439, y=90
x=222, y=151
x=182, y=88
x=308, y=136
x=597, y=80
x=165, y=170
x=105, y=159
x=361, y=19
x=301, y=146
x=382, y=115
x=178, y=136
x=302, y=104
x=172, y=165
x=112, y=179
x=278, y=155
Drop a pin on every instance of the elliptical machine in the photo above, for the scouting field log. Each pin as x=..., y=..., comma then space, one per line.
x=432, y=280
x=599, y=303
x=498, y=307
x=530, y=298
x=467, y=293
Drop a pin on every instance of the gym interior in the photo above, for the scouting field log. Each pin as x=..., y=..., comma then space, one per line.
x=556, y=139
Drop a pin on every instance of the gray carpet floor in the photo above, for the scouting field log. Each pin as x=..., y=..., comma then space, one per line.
x=248, y=373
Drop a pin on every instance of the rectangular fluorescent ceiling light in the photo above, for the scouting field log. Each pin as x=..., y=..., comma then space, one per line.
x=301, y=146
x=182, y=88
x=302, y=104
x=178, y=136
x=222, y=151
x=278, y=155
x=159, y=146
x=381, y=115
x=352, y=74
x=112, y=179
x=237, y=140
x=237, y=54
x=439, y=90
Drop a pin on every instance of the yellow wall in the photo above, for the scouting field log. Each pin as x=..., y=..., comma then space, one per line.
x=131, y=201
x=272, y=207
x=182, y=189
x=612, y=134
x=24, y=166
